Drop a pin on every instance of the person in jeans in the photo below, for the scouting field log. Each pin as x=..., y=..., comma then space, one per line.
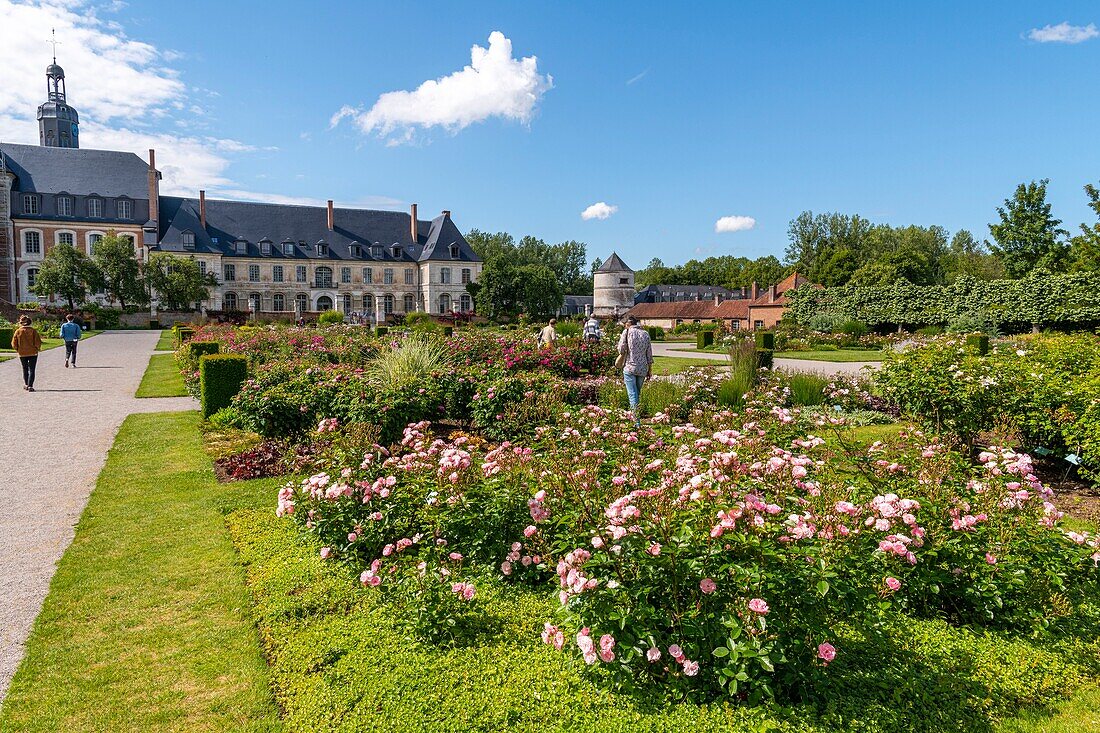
x=27, y=342
x=70, y=332
x=635, y=345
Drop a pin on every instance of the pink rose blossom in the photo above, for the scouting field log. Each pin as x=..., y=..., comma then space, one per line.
x=893, y=583
x=691, y=668
x=707, y=585
x=826, y=652
x=759, y=606
x=653, y=654
x=654, y=549
x=991, y=558
x=326, y=553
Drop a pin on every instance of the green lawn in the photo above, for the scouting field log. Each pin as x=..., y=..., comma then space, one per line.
x=47, y=344
x=147, y=625
x=842, y=355
x=665, y=365
x=167, y=341
x=162, y=378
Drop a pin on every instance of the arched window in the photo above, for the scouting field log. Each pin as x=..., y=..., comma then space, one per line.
x=387, y=304
x=444, y=303
x=324, y=303
x=254, y=302
x=368, y=303
x=231, y=301
x=467, y=303
x=323, y=279
x=278, y=302
x=410, y=302
x=301, y=302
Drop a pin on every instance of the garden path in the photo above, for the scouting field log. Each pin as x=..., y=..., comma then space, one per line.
x=53, y=443
x=827, y=368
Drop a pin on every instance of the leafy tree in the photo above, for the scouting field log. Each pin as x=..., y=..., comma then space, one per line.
x=828, y=248
x=541, y=290
x=1085, y=247
x=967, y=256
x=177, y=281
x=1028, y=236
x=66, y=271
x=596, y=264
x=565, y=259
x=120, y=269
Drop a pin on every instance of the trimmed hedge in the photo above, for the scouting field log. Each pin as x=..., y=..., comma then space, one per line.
x=220, y=379
x=978, y=343
x=765, y=340
x=765, y=358
x=1038, y=299
x=183, y=335
x=703, y=339
x=5, y=337
x=381, y=331
x=330, y=317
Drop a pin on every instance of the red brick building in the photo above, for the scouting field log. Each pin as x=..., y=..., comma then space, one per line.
x=761, y=308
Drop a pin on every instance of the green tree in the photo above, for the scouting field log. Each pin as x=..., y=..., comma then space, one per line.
x=967, y=256
x=177, y=281
x=66, y=271
x=541, y=290
x=828, y=248
x=120, y=270
x=1028, y=237
x=1085, y=247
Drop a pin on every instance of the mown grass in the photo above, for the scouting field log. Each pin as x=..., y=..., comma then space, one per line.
x=666, y=365
x=842, y=355
x=47, y=344
x=162, y=378
x=167, y=341
x=146, y=625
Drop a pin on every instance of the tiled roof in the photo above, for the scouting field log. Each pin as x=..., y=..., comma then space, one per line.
x=305, y=226
x=614, y=263
x=79, y=171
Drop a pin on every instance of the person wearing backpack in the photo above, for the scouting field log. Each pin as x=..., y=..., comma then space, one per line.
x=27, y=342
x=70, y=333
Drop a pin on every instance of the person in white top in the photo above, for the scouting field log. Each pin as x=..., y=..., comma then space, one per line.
x=548, y=335
x=636, y=346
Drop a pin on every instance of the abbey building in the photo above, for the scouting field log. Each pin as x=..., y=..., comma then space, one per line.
x=276, y=259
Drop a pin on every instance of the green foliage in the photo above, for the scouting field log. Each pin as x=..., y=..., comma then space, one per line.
x=724, y=271
x=1040, y=298
x=764, y=340
x=568, y=329
x=565, y=260
x=973, y=323
x=1028, y=237
x=381, y=331
x=704, y=339
x=978, y=343
x=183, y=335
x=826, y=322
x=177, y=281
x=120, y=270
x=507, y=288
x=5, y=337
x=1085, y=247
x=220, y=379
x=408, y=364
x=807, y=390
x=656, y=333
x=67, y=271
x=422, y=323
x=330, y=317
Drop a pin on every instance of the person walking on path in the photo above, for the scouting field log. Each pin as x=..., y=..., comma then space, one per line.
x=636, y=349
x=70, y=332
x=27, y=342
x=548, y=335
x=592, y=330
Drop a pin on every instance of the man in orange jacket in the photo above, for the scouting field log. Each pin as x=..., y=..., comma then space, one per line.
x=27, y=342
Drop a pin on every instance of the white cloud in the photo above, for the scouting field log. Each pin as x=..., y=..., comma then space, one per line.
x=734, y=224
x=1063, y=33
x=126, y=92
x=494, y=85
x=598, y=210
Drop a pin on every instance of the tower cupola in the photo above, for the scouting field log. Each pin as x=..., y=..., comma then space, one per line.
x=58, y=122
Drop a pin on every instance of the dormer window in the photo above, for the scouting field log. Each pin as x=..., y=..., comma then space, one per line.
x=64, y=205
x=30, y=204
x=396, y=250
x=241, y=246
x=288, y=247
x=188, y=239
x=322, y=248
x=265, y=246
x=95, y=208
x=454, y=252
x=376, y=250
x=355, y=249
x=125, y=209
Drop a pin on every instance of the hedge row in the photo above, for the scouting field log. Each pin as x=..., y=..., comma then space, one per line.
x=220, y=379
x=5, y=337
x=1038, y=299
x=339, y=661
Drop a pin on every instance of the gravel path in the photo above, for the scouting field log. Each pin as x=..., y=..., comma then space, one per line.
x=53, y=444
x=827, y=368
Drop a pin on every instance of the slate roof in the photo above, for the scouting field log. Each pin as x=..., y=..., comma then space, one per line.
x=658, y=293
x=614, y=264
x=108, y=173
x=305, y=226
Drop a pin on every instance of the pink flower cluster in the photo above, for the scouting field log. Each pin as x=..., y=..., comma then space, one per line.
x=465, y=591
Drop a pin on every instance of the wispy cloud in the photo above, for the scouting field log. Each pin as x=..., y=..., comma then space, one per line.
x=495, y=84
x=598, y=210
x=638, y=77
x=1063, y=33
x=126, y=90
x=734, y=224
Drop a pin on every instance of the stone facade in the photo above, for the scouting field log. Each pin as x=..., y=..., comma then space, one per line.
x=612, y=288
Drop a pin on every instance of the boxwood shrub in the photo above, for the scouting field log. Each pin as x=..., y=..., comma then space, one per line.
x=220, y=378
x=5, y=337
x=183, y=335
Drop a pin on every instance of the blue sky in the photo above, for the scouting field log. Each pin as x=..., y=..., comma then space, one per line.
x=675, y=114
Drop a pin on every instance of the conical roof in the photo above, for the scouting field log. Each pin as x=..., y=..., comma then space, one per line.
x=614, y=264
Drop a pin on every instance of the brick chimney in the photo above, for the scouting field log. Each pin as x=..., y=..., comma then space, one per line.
x=717, y=298
x=330, y=222
x=755, y=290
x=202, y=209
x=154, y=187
x=412, y=225
x=772, y=294
x=446, y=213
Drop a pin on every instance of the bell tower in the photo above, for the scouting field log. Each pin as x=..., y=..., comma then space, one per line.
x=58, y=123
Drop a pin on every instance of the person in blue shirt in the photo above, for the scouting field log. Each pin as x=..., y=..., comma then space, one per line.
x=70, y=332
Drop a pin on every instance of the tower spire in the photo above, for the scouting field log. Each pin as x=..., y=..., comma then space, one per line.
x=53, y=42
x=58, y=123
